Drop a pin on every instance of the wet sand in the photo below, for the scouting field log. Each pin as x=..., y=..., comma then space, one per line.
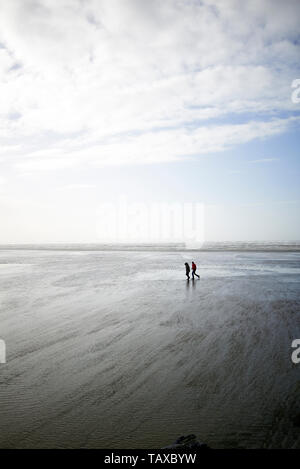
x=117, y=350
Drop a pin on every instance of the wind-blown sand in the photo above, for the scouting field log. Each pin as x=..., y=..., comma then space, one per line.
x=116, y=349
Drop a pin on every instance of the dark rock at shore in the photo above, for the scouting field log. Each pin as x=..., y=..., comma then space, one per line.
x=187, y=442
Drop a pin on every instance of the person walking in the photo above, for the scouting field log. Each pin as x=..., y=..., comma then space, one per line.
x=187, y=270
x=194, y=268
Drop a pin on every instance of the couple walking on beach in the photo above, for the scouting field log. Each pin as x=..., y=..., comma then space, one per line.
x=187, y=270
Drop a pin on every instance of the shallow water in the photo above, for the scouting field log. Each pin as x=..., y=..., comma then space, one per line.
x=116, y=349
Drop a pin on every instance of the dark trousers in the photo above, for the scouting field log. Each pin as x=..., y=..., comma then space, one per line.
x=194, y=273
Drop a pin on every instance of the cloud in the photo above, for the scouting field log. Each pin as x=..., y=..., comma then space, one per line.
x=153, y=147
x=131, y=82
x=264, y=160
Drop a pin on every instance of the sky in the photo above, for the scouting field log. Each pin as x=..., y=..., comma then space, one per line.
x=173, y=102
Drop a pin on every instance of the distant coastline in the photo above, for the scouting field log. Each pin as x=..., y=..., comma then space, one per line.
x=207, y=246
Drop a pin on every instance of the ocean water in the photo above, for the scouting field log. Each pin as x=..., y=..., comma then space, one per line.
x=115, y=349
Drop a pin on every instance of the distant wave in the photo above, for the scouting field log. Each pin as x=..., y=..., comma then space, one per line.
x=252, y=246
x=207, y=246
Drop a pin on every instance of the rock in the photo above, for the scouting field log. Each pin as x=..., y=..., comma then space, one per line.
x=187, y=442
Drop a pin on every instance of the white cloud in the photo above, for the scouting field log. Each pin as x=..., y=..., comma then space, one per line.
x=125, y=81
x=264, y=160
x=153, y=147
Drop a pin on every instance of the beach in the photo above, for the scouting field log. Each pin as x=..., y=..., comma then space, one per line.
x=115, y=349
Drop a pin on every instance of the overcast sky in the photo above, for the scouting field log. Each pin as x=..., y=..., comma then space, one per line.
x=161, y=101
